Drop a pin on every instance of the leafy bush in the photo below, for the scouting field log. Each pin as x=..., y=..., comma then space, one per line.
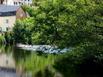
x=2, y=39
x=23, y=31
x=9, y=39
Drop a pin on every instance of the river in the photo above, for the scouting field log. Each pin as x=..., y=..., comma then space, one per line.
x=10, y=57
x=16, y=62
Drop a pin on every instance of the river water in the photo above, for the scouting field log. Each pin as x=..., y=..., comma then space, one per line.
x=9, y=58
x=15, y=62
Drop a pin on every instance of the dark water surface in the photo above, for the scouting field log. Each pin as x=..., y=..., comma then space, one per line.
x=15, y=62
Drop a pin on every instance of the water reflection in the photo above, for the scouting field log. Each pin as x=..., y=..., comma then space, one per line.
x=20, y=54
x=12, y=54
x=7, y=61
x=24, y=61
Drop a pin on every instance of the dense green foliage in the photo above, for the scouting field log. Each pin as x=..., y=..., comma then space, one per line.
x=23, y=31
x=66, y=23
x=6, y=38
x=9, y=38
x=2, y=39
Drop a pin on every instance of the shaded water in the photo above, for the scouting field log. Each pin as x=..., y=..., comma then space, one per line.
x=15, y=62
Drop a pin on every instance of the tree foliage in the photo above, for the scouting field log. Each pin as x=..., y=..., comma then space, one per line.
x=67, y=23
x=22, y=31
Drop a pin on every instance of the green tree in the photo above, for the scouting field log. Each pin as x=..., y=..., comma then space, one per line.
x=67, y=23
x=23, y=30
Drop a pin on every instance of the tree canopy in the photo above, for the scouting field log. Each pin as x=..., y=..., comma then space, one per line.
x=66, y=23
